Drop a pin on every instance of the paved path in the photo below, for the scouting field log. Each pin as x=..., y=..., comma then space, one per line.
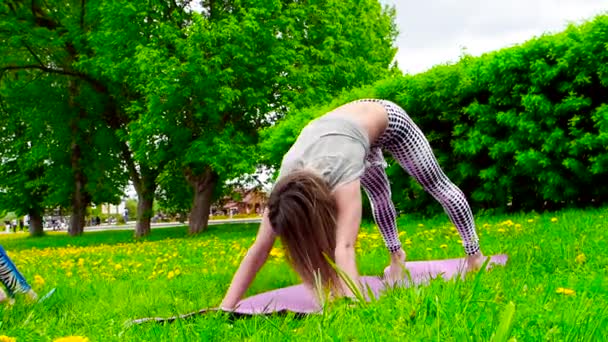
x=131, y=225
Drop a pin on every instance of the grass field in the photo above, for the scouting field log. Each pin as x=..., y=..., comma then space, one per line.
x=556, y=278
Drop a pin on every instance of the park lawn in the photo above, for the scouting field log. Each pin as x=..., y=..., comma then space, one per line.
x=556, y=278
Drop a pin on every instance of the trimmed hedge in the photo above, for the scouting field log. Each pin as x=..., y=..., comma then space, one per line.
x=524, y=128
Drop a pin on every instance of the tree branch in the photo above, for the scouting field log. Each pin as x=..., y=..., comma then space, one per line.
x=41, y=18
x=32, y=53
x=98, y=86
x=82, y=14
x=126, y=154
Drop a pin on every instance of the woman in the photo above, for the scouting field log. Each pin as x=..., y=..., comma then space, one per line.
x=315, y=205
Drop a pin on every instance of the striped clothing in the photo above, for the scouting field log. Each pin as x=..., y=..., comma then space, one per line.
x=10, y=275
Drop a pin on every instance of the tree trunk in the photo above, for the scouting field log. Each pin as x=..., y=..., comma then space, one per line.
x=203, y=186
x=79, y=196
x=35, y=223
x=145, y=201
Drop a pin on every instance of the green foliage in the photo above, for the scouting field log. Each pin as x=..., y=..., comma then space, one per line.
x=521, y=128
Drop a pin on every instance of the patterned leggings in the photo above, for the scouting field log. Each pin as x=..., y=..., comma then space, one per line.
x=10, y=276
x=409, y=147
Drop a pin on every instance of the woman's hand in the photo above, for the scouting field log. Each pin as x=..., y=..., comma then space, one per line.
x=250, y=265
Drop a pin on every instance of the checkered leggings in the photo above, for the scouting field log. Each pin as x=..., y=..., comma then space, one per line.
x=409, y=147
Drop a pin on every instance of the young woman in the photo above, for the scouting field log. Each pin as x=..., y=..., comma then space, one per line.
x=12, y=280
x=315, y=205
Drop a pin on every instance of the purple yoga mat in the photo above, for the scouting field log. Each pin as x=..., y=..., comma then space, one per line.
x=299, y=300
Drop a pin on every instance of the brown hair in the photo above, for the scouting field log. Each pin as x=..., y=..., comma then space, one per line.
x=302, y=212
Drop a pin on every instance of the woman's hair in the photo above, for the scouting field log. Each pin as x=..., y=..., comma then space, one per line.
x=302, y=212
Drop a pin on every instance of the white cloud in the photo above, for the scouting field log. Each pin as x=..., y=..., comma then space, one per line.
x=434, y=32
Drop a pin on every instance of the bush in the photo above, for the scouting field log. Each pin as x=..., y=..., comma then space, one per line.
x=523, y=128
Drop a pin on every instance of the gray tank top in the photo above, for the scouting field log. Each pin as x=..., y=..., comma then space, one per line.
x=332, y=146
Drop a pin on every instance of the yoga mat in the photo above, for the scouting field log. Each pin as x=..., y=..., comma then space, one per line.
x=297, y=299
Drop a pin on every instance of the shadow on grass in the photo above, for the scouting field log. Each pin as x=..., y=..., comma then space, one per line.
x=113, y=237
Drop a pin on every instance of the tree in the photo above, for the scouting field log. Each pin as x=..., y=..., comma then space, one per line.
x=69, y=41
x=240, y=62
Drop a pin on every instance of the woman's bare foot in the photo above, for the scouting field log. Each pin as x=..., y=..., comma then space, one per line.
x=396, y=269
x=475, y=261
x=32, y=295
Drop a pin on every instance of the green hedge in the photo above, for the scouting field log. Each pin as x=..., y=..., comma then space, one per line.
x=524, y=128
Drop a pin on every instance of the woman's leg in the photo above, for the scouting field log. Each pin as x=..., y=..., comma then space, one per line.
x=376, y=186
x=11, y=277
x=408, y=145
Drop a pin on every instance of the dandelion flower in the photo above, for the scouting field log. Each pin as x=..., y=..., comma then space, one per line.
x=501, y=230
x=444, y=246
x=4, y=338
x=420, y=225
x=38, y=280
x=117, y=266
x=564, y=291
x=554, y=219
x=581, y=258
x=275, y=252
x=530, y=220
x=71, y=339
x=170, y=275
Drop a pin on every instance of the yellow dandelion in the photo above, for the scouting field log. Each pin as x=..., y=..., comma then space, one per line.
x=276, y=252
x=581, y=258
x=517, y=226
x=507, y=223
x=177, y=272
x=408, y=241
x=81, y=262
x=444, y=246
x=420, y=225
x=71, y=339
x=4, y=338
x=117, y=266
x=530, y=220
x=501, y=230
x=564, y=291
x=554, y=219
x=485, y=225
x=38, y=280
x=459, y=241
x=69, y=274
x=170, y=275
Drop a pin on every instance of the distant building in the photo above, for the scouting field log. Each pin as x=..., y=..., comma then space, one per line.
x=242, y=202
x=108, y=208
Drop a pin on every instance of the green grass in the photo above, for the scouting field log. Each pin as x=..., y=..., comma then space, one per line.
x=104, y=279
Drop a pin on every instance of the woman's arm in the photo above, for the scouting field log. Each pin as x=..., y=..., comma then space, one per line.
x=252, y=262
x=348, y=201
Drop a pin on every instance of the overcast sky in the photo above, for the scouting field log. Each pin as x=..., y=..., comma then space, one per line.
x=433, y=32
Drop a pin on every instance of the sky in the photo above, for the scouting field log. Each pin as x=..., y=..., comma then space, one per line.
x=435, y=32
